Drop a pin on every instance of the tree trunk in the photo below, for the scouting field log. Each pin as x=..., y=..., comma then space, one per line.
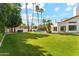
x=32, y=17
x=38, y=19
x=27, y=18
x=49, y=28
x=41, y=18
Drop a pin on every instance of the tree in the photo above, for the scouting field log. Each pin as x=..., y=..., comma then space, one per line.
x=23, y=26
x=41, y=11
x=14, y=18
x=44, y=21
x=32, y=15
x=27, y=17
x=37, y=10
x=49, y=23
x=5, y=11
x=45, y=24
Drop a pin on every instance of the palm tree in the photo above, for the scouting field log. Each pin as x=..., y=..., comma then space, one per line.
x=37, y=10
x=33, y=4
x=45, y=24
x=27, y=17
x=41, y=11
x=44, y=21
x=49, y=23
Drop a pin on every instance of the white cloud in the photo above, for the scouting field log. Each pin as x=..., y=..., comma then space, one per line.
x=57, y=9
x=68, y=8
x=71, y=4
x=63, y=15
x=54, y=16
x=29, y=16
x=42, y=5
x=24, y=20
x=47, y=16
x=24, y=16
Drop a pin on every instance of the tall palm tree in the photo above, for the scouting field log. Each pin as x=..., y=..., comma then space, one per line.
x=37, y=10
x=27, y=17
x=41, y=11
x=33, y=4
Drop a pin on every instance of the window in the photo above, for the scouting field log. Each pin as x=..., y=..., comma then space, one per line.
x=72, y=27
x=55, y=29
x=63, y=28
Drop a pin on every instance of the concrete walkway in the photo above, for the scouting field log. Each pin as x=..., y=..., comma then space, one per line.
x=2, y=40
x=77, y=33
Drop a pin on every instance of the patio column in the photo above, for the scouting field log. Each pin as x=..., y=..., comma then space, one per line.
x=67, y=28
x=58, y=28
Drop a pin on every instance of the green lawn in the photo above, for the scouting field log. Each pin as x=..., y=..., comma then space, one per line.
x=37, y=44
x=1, y=35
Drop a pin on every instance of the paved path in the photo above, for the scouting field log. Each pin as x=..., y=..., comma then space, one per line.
x=77, y=33
x=2, y=40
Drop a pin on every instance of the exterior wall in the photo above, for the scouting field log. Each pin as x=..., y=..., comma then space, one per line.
x=24, y=30
x=67, y=26
x=59, y=24
x=52, y=26
x=6, y=30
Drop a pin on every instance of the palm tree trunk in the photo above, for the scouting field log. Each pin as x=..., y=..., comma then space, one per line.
x=32, y=17
x=27, y=17
x=41, y=18
x=38, y=19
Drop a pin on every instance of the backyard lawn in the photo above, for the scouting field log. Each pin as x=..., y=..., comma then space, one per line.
x=1, y=35
x=37, y=44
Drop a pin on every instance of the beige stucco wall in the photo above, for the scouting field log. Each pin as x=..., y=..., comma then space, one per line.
x=67, y=26
x=59, y=24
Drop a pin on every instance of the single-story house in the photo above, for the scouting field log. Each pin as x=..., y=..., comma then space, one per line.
x=68, y=26
x=17, y=30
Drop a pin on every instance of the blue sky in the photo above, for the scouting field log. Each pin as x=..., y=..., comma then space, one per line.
x=52, y=11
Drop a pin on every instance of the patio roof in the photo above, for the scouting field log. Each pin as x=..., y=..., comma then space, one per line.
x=70, y=18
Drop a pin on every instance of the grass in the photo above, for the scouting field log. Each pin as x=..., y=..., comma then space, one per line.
x=37, y=44
x=1, y=35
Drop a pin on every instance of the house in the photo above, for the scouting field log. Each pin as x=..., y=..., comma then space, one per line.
x=67, y=26
x=21, y=28
x=18, y=29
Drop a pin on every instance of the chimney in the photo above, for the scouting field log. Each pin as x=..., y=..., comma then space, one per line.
x=77, y=9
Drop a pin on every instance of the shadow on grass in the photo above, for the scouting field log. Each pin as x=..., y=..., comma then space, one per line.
x=72, y=34
x=30, y=35
x=15, y=45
